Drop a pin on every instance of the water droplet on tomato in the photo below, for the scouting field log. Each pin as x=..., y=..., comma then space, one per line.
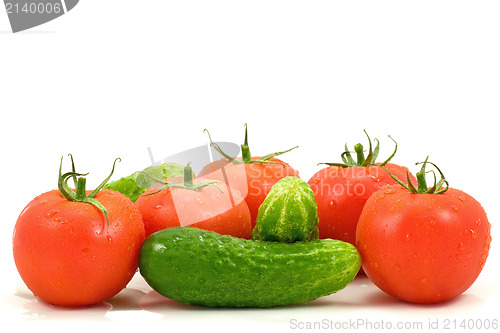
x=469, y=255
x=478, y=222
x=407, y=237
x=461, y=198
x=317, y=180
x=332, y=204
x=109, y=238
x=98, y=232
x=397, y=201
x=455, y=208
x=389, y=191
x=488, y=239
x=429, y=207
x=473, y=233
x=86, y=252
x=52, y=212
x=43, y=202
x=397, y=268
x=461, y=247
x=157, y=206
x=219, y=217
x=423, y=280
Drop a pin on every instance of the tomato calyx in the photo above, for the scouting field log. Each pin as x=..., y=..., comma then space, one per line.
x=361, y=160
x=438, y=187
x=80, y=193
x=187, y=183
x=246, y=156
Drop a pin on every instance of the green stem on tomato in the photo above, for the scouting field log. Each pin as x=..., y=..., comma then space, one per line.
x=361, y=160
x=80, y=193
x=187, y=183
x=246, y=156
x=421, y=182
x=360, y=155
x=438, y=187
x=80, y=189
x=188, y=175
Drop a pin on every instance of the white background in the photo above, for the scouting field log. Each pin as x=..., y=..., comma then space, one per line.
x=112, y=78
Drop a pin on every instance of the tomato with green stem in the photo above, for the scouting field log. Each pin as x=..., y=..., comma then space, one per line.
x=252, y=176
x=341, y=189
x=420, y=244
x=77, y=247
x=202, y=203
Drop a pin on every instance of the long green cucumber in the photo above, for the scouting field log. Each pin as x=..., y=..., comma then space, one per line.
x=200, y=267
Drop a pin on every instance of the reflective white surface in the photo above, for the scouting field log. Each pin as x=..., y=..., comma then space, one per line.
x=359, y=306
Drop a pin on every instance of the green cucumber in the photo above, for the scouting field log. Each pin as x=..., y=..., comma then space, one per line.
x=199, y=267
x=136, y=184
x=127, y=186
x=288, y=214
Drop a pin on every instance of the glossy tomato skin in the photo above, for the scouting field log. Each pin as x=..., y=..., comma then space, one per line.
x=423, y=248
x=341, y=194
x=252, y=180
x=67, y=256
x=220, y=209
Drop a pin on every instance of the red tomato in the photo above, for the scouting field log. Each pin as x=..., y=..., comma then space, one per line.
x=341, y=191
x=423, y=248
x=67, y=254
x=252, y=180
x=341, y=194
x=217, y=208
x=252, y=177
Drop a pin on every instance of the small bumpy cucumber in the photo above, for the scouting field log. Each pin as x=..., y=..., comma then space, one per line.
x=200, y=267
x=288, y=214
